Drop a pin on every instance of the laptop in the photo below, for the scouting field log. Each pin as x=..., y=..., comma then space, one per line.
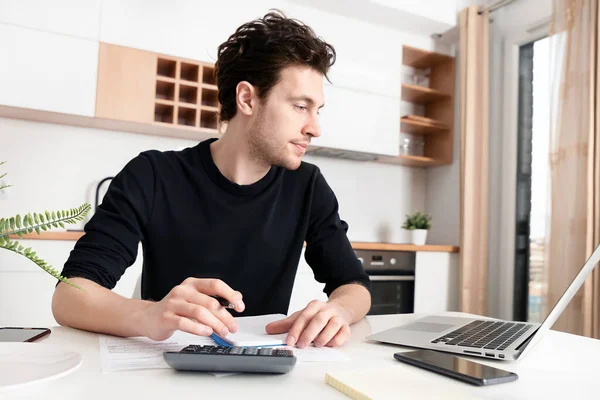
x=488, y=338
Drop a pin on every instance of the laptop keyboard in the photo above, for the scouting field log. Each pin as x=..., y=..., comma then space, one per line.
x=484, y=335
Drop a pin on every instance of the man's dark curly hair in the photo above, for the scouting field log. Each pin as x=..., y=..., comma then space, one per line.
x=258, y=50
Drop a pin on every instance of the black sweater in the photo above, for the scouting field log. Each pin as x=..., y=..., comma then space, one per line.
x=194, y=222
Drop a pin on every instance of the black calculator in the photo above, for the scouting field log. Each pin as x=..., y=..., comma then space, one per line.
x=231, y=359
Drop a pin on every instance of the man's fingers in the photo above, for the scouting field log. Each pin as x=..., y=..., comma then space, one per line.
x=281, y=326
x=216, y=287
x=191, y=295
x=200, y=314
x=340, y=338
x=314, y=328
x=302, y=322
x=222, y=314
x=334, y=326
x=177, y=322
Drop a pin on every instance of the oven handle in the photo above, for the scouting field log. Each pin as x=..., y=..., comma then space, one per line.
x=376, y=278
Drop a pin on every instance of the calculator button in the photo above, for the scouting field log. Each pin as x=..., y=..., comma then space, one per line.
x=266, y=351
x=251, y=351
x=283, y=353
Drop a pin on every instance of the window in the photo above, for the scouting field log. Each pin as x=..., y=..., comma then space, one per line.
x=532, y=179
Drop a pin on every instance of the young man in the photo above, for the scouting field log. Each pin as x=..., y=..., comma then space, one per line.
x=228, y=217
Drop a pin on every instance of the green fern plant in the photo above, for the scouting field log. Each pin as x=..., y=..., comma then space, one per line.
x=2, y=176
x=417, y=220
x=34, y=222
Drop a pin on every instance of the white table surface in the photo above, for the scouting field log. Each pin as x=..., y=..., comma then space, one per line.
x=560, y=366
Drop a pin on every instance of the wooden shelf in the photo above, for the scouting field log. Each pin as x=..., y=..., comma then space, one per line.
x=411, y=161
x=403, y=247
x=166, y=79
x=75, y=235
x=154, y=128
x=422, y=95
x=420, y=128
x=184, y=82
x=420, y=59
x=165, y=102
x=436, y=108
x=60, y=235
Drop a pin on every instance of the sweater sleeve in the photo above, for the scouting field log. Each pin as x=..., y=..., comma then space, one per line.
x=328, y=250
x=113, y=234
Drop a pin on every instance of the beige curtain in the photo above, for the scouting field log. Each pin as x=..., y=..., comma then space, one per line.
x=573, y=228
x=473, y=64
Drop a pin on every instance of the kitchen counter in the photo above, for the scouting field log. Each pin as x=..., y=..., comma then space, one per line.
x=75, y=235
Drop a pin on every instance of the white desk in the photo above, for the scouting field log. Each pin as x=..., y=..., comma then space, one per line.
x=560, y=366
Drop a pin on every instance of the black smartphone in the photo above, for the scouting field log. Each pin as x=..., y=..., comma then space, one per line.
x=14, y=334
x=457, y=368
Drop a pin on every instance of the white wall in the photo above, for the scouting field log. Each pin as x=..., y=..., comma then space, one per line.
x=443, y=190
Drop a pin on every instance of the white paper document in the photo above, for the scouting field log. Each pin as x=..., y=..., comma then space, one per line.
x=252, y=332
x=121, y=354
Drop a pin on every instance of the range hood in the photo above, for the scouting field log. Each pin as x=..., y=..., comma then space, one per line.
x=337, y=153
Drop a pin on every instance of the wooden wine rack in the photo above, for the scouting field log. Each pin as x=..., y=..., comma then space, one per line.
x=186, y=94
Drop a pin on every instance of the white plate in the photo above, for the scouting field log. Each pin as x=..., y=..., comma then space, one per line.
x=24, y=363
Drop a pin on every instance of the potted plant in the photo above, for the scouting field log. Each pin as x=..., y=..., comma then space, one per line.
x=418, y=224
x=33, y=222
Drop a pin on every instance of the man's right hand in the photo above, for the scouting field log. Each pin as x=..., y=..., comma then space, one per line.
x=188, y=307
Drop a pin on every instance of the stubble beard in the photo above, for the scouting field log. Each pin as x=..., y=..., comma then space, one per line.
x=265, y=149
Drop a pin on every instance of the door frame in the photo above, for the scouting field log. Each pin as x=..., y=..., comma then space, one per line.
x=502, y=266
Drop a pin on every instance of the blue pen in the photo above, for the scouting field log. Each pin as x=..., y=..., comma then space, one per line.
x=219, y=340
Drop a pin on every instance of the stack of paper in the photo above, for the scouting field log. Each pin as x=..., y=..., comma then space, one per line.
x=119, y=354
x=252, y=332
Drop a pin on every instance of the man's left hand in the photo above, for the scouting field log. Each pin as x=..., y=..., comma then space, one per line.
x=324, y=324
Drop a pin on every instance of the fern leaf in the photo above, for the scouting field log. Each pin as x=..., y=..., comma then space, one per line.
x=17, y=225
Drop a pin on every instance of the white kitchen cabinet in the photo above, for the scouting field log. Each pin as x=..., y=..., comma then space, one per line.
x=440, y=11
x=359, y=121
x=25, y=289
x=360, y=64
x=182, y=28
x=26, y=299
x=69, y=17
x=47, y=71
x=194, y=30
x=436, y=282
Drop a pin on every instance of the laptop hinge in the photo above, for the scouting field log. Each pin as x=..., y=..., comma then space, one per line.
x=527, y=341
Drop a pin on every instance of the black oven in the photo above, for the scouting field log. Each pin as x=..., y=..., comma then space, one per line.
x=392, y=275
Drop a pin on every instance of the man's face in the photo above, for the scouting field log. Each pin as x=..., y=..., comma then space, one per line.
x=287, y=119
